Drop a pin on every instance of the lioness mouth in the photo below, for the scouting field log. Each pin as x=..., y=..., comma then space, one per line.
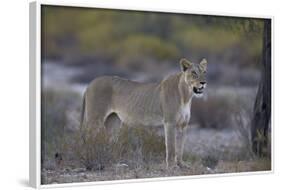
x=198, y=90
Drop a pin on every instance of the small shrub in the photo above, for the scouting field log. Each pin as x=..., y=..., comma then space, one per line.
x=242, y=122
x=93, y=148
x=243, y=130
x=141, y=144
x=215, y=112
x=55, y=129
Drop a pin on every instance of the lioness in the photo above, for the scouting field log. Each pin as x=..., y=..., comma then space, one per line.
x=166, y=103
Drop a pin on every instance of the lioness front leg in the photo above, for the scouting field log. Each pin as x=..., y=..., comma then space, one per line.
x=170, y=144
x=180, y=141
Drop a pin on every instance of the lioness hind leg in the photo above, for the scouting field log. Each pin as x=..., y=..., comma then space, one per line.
x=96, y=113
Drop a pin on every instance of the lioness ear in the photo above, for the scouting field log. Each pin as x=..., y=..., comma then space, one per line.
x=185, y=64
x=203, y=64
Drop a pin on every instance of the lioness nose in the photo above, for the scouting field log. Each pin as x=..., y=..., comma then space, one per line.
x=202, y=83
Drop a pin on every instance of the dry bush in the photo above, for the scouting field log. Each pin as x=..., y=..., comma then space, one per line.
x=215, y=112
x=133, y=146
x=139, y=145
x=56, y=132
x=243, y=130
x=242, y=115
x=93, y=148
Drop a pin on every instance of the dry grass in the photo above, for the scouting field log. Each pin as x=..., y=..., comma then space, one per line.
x=134, y=147
x=93, y=148
x=244, y=166
x=137, y=153
x=59, y=123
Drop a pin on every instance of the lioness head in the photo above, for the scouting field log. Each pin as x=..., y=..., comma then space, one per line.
x=195, y=75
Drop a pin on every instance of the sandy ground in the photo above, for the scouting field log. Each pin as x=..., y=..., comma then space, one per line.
x=157, y=170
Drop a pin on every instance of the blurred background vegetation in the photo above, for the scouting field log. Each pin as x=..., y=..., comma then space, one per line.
x=131, y=37
x=80, y=44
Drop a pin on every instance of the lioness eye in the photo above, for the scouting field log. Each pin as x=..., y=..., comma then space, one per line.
x=194, y=74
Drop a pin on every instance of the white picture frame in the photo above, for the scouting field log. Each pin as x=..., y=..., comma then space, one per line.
x=35, y=94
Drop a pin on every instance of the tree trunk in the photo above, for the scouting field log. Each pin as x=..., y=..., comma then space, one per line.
x=262, y=107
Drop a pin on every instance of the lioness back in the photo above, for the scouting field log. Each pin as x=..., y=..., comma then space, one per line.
x=134, y=102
